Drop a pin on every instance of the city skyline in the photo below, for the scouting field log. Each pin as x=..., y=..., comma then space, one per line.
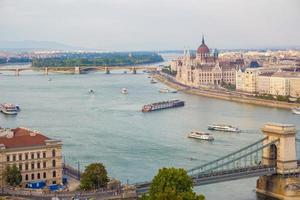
x=152, y=25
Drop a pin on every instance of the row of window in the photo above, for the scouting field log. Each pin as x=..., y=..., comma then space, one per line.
x=39, y=176
x=37, y=166
x=25, y=156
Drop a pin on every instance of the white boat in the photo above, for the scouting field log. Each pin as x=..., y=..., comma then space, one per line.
x=296, y=111
x=91, y=91
x=200, y=135
x=164, y=90
x=10, y=109
x=153, y=81
x=124, y=91
x=223, y=127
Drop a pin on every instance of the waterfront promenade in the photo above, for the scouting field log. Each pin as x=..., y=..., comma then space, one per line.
x=222, y=94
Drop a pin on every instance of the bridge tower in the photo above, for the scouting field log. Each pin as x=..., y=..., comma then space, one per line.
x=77, y=70
x=285, y=183
x=107, y=70
x=134, y=70
x=46, y=71
x=17, y=72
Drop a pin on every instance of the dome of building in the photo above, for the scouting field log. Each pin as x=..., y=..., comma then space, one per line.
x=203, y=49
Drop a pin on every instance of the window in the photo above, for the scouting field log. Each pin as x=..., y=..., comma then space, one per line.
x=32, y=176
x=53, y=182
x=54, y=174
x=38, y=165
x=26, y=177
x=20, y=156
x=32, y=165
x=38, y=176
x=14, y=157
x=53, y=163
x=38, y=155
x=26, y=156
x=20, y=167
x=7, y=158
x=44, y=164
x=44, y=154
x=44, y=175
x=26, y=166
x=53, y=153
x=32, y=156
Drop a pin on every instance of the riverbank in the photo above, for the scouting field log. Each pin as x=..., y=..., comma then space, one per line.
x=229, y=96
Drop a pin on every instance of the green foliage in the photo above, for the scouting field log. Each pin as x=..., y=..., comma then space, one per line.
x=282, y=98
x=228, y=86
x=172, y=184
x=265, y=96
x=12, y=176
x=94, y=176
x=168, y=70
x=298, y=100
x=112, y=59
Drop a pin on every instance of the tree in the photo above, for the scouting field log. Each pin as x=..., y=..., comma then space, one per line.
x=12, y=175
x=172, y=184
x=94, y=176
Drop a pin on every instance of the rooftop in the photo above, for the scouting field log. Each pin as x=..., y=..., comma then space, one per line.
x=21, y=137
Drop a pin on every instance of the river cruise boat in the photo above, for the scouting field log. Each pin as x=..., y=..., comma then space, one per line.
x=124, y=91
x=296, y=111
x=153, y=81
x=10, y=109
x=162, y=105
x=200, y=135
x=223, y=127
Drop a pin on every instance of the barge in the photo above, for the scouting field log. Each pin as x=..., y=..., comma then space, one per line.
x=162, y=105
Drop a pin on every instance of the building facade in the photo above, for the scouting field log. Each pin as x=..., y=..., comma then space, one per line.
x=204, y=68
x=38, y=157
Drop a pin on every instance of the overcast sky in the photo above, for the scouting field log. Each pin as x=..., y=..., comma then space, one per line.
x=152, y=24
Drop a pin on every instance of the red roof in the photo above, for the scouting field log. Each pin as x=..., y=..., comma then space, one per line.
x=22, y=138
x=203, y=49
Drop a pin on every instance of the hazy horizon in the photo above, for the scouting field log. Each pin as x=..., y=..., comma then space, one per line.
x=127, y=25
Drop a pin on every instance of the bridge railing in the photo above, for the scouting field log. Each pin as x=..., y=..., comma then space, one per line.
x=247, y=156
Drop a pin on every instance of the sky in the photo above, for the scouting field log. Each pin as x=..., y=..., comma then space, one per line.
x=153, y=24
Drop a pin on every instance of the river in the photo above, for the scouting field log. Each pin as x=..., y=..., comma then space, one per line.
x=109, y=127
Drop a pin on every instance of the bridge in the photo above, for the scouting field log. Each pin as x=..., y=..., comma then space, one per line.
x=272, y=158
x=79, y=69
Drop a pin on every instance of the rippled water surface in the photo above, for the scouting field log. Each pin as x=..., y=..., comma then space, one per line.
x=109, y=127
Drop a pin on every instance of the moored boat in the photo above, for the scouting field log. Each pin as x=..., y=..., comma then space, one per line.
x=124, y=91
x=223, y=127
x=162, y=105
x=164, y=90
x=201, y=135
x=10, y=109
x=153, y=81
x=296, y=110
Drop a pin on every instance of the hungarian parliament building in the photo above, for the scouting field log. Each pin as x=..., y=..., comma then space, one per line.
x=205, y=68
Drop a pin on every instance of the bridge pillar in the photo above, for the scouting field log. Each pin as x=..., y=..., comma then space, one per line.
x=77, y=70
x=134, y=70
x=17, y=72
x=46, y=71
x=107, y=70
x=282, y=155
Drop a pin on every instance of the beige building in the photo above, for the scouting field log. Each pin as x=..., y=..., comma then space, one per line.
x=204, y=68
x=279, y=85
x=246, y=81
x=295, y=86
x=38, y=157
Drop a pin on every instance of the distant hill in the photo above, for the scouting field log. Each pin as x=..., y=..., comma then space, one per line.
x=30, y=45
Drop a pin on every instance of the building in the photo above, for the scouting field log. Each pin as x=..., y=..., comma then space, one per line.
x=246, y=80
x=295, y=87
x=279, y=85
x=204, y=68
x=38, y=157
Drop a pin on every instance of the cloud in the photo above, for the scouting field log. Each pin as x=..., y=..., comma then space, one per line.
x=152, y=24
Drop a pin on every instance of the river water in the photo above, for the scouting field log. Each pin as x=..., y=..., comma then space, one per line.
x=109, y=127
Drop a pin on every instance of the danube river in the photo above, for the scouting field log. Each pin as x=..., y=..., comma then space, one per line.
x=109, y=127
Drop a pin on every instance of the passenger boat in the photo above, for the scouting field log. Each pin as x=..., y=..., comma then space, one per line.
x=162, y=105
x=201, y=135
x=124, y=91
x=296, y=111
x=223, y=127
x=164, y=90
x=10, y=109
x=153, y=81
